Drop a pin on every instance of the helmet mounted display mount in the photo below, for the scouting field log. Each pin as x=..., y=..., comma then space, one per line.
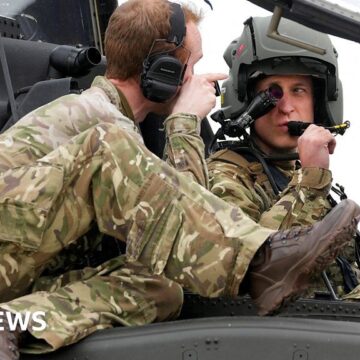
x=273, y=33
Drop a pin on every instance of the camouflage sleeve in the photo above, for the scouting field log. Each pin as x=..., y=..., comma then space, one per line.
x=184, y=148
x=234, y=185
x=53, y=124
x=303, y=202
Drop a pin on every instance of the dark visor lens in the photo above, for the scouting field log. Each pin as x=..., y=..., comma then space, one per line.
x=276, y=91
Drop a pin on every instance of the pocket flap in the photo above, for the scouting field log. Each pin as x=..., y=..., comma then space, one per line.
x=156, y=222
x=27, y=195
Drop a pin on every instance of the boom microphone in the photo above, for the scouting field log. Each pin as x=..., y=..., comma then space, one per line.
x=297, y=128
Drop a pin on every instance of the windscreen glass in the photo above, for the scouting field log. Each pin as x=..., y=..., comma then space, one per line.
x=56, y=21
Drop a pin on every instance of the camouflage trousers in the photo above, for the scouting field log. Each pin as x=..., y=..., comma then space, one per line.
x=171, y=225
x=81, y=302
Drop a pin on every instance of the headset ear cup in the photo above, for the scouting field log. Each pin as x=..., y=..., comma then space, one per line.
x=242, y=83
x=162, y=73
x=161, y=77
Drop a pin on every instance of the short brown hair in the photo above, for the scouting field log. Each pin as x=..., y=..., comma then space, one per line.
x=131, y=31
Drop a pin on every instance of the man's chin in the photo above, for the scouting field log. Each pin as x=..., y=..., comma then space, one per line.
x=285, y=147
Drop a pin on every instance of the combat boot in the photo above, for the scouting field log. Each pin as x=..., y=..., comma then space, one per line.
x=282, y=267
x=9, y=342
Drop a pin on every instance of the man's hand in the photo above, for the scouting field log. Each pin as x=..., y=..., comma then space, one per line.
x=314, y=146
x=197, y=95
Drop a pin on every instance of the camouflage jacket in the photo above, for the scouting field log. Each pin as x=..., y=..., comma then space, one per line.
x=303, y=202
x=43, y=130
x=245, y=184
x=102, y=103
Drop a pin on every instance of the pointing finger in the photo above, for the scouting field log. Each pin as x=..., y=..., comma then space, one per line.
x=214, y=76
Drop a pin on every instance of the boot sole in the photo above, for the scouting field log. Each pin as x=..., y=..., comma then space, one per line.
x=294, y=282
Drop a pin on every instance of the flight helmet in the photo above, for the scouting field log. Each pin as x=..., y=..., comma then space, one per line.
x=254, y=55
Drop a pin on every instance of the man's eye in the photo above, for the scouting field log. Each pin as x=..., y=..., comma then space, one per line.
x=299, y=90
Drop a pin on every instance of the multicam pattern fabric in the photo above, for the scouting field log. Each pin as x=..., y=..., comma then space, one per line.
x=84, y=301
x=302, y=203
x=245, y=184
x=85, y=161
x=184, y=150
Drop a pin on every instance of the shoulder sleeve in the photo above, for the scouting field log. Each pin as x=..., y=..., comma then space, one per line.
x=55, y=123
x=231, y=180
x=184, y=148
x=303, y=202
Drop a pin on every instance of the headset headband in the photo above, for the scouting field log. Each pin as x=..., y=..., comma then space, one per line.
x=177, y=24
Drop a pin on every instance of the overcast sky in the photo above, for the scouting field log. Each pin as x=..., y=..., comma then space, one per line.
x=347, y=4
x=225, y=23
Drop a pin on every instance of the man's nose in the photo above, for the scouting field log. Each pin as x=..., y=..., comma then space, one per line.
x=285, y=104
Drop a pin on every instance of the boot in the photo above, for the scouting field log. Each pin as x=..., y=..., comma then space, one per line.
x=9, y=341
x=282, y=267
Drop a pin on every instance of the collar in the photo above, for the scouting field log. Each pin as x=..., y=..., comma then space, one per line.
x=116, y=97
x=285, y=165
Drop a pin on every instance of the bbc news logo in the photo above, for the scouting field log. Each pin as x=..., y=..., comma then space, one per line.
x=35, y=320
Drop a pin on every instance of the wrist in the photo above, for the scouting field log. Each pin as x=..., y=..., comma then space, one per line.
x=182, y=123
x=312, y=177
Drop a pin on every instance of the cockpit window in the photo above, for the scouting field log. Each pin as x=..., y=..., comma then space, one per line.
x=335, y=17
x=57, y=21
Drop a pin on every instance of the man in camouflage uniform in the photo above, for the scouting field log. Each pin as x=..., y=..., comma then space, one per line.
x=278, y=193
x=81, y=159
